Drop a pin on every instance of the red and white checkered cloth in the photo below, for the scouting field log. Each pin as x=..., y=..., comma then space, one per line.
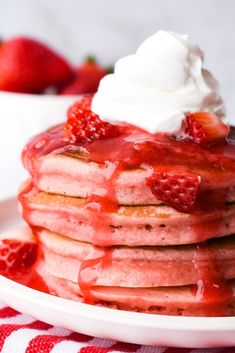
x=21, y=333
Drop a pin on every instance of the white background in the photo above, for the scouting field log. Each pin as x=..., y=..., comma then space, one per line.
x=113, y=28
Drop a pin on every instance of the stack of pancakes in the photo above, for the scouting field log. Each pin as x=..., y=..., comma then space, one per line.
x=144, y=256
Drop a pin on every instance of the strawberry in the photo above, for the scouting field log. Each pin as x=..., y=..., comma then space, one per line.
x=85, y=126
x=86, y=78
x=203, y=128
x=16, y=257
x=178, y=191
x=28, y=66
x=18, y=253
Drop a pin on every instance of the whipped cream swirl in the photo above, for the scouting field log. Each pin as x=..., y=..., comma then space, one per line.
x=154, y=87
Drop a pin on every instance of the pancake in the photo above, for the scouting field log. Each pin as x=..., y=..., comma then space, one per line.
x=80, y=171
x=137, y=266
x=179, y=300
x=107, y=240
x=130, y=225
x=70, y=175
x=74, y=176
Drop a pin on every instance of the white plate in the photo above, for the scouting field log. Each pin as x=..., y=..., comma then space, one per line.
x=108, y=323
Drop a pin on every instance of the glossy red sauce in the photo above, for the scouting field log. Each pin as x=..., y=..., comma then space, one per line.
x=37, y=282
x=212, y=289
x=137, y=149
x=107, y=202
x=89, y=270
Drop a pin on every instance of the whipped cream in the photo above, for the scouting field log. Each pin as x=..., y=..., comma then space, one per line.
x=154, y=87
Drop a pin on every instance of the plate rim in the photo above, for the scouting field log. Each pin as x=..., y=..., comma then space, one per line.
x=169, y=322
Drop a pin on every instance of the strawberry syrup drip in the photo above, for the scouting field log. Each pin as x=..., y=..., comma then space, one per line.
x=107, y=202
x=89, y=272
x=137, y=149
x=212, y=289
x=27, y=188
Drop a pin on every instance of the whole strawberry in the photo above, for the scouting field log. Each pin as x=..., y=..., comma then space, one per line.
x=28, y=66
x=86, y=78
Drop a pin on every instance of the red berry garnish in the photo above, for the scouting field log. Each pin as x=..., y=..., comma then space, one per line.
x=85, y=79
x=29, y=66
x=177, y=191
x=17, y=257
x=85, y=126
x=202, y=128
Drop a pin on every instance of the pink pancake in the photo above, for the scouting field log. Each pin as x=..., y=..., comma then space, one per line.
x=131, y=226
x=74, y=176
x=170, y=301
x=135, y=267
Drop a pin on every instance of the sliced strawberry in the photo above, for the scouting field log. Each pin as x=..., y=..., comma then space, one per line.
x=85, y=102
x=202, y=128
x=177, y=191
x=16, y=257
x=18, y=252
x=85, y=126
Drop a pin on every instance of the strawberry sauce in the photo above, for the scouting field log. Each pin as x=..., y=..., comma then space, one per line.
x=88, y=272
x=135, y=148
x=37, y=282
x=211, y=289
x=215, y=165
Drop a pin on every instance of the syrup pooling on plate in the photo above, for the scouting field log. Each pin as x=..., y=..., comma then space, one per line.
x=137, y=149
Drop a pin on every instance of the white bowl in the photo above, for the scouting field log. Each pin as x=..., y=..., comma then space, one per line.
x=21, y=117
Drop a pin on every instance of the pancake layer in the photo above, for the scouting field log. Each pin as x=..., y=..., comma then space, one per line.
x=72, y=175
x=136, y=267
x=179, y=300
x=130, y=226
